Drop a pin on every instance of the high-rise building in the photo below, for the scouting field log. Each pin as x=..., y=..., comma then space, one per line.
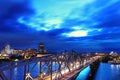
x=42, y=48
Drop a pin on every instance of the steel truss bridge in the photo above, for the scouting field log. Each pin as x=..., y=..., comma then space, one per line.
x=68, y=64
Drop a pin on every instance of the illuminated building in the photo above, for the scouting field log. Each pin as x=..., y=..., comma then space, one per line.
x=6, y=51
x=113, y=53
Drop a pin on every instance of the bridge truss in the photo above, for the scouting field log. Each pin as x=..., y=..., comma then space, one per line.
x=51, y=67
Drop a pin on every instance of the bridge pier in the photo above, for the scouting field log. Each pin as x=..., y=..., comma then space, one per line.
x=93, y=69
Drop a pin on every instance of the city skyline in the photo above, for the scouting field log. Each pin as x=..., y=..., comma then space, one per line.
x=88, y=25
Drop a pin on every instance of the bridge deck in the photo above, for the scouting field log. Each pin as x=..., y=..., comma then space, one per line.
x=71, y=74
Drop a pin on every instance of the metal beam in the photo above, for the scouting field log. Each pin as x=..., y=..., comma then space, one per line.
x=2, y=75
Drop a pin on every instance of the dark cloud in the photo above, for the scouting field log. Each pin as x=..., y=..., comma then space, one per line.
x=112, y=21
x=57, y=32
x=14, y=10
x=108, y=16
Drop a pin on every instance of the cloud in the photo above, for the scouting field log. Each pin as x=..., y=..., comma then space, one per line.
x=88, y=25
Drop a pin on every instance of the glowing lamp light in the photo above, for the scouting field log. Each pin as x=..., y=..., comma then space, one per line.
x=62, y=72
x=74, y=67
x=71, y=64
x=77, y=66
x=66, y=70
x=77, y=62
x=60, y=62
x=44, y=73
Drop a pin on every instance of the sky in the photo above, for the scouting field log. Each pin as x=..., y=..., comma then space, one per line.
x=80, y=25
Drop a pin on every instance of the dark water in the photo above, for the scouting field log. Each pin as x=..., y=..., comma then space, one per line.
x=105, y=72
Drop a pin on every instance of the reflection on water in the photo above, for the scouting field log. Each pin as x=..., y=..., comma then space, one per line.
x=18, y=73
x=83, y=74
x=108, y=72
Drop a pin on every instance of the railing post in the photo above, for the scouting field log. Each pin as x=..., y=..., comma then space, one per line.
x=40, y=67
x=28, y=66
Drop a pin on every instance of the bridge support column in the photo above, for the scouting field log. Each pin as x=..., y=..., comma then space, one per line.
x=24, y=71
x=40, y=68
x=94, y=66
x=51, y=63
x=10, y=73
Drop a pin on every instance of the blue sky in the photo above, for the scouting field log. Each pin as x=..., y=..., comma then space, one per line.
x=89, y=25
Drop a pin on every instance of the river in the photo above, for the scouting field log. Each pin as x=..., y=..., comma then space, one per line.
x=105, y=72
